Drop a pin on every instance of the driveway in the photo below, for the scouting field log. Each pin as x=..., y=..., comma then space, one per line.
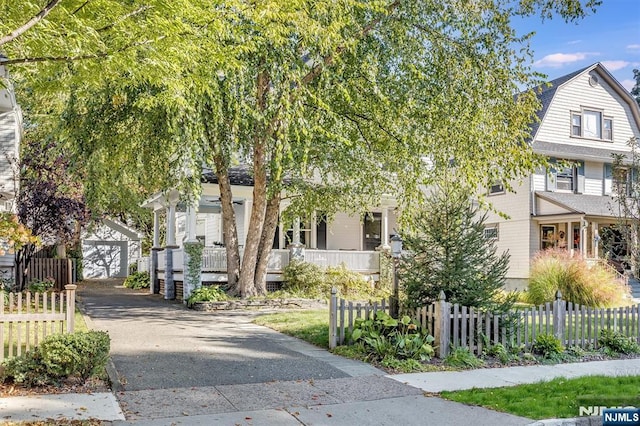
x=185, y=367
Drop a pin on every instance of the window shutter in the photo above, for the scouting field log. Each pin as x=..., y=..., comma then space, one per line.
x=551, y=176
x=580, y=177
x=608, y=178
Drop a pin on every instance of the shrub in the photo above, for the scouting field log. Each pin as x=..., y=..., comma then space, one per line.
x=557, y=269
x=309, y=280
x=138, y=280
x=206, y=294
x=384, y=337
x=547, y=346
x=41, y=286
x=463, y=358
x=60, y=356
x=305, y=279
x=617, y=343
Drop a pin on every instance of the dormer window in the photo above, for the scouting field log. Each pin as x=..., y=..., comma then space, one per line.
x=591, y=124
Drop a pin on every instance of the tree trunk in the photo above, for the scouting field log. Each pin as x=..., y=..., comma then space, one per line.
x=246, y=283
x=266, y=241
x=22, y=261
x=228, y=225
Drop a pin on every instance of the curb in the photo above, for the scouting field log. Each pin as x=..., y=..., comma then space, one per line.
x=575, y=421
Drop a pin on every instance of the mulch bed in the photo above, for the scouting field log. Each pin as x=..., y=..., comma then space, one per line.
x=68, y=386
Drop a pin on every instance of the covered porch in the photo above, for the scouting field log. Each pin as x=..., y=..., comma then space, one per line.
x=353, y=240
x=586, y=225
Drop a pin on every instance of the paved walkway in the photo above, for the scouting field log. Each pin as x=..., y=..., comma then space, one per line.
x=193, y=368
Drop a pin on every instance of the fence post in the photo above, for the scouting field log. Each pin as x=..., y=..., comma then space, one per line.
x=558, y=317
x=333, y=318
x=71, y=306
x=441, y=326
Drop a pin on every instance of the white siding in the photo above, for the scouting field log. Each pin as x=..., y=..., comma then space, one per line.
x=9, y=139
x=514, y=230
x=539, y=180
x=593, y=175
x=578, y=94
x=212, y=229
x=239, y=210
x=344, y=232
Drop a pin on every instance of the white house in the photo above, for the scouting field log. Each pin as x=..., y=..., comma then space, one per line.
x=10, y=136
x=586, y=117
x=349, y=239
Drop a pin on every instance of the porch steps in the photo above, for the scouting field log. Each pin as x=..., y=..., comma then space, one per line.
x=634, y=283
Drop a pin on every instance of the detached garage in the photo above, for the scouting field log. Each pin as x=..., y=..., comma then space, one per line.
x=108, y=249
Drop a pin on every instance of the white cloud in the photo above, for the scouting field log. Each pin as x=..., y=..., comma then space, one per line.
x=615, y=65
x=628, y=83
x=556, y=60
x=633, y=46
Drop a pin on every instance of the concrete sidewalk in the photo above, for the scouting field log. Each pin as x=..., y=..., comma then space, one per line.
x=512, y=376
x=364, y=400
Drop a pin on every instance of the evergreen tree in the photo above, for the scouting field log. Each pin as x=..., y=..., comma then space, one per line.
x=450, y=253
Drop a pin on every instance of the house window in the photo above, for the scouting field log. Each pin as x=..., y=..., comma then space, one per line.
x=564, y=179
x=548, y=236
x=591, y=124
x=496, y=188
x=576, y=125
x=491, y=232
x=372, y=231
x=608, y=129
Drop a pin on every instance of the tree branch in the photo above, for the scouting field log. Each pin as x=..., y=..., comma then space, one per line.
x=33, y=21
x=123, y=17
x=75, y=58
x=328, y=60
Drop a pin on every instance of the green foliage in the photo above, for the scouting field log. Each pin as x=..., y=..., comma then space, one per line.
x=547, y=345
x=463, y=358
x=41, y=286
x=499, y=351
x=450, y=253
x=138, y=280
x=617, y=343
x=312, y=281
x=557, y=269
x=305, y=278
x=212, y=293
x=80, y=354
x=384, y=336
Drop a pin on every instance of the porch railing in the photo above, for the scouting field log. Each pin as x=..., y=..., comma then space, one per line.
x=359, y=261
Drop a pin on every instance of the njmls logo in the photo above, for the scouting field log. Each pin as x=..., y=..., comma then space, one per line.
x=594, y=410
x=629, y=416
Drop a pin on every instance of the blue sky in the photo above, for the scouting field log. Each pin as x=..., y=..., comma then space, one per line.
x=611, y=36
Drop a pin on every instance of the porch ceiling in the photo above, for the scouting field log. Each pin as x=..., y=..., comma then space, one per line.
x=588, y=205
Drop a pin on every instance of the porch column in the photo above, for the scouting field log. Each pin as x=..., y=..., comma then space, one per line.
x=583, y=237
x=385, y=228
x=596, y=239
x=313, y=243
x=568, y=235
x=154, y=287
x=296, y=249
x=192, y=256
x=171, y=225
x=192, y=212
x=169, y=284
x=156, y=228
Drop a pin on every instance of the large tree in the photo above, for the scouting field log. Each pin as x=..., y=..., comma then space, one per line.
x=360, y=98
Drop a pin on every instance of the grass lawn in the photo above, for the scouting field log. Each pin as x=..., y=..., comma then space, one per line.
x=558, y=398
x=310, y=326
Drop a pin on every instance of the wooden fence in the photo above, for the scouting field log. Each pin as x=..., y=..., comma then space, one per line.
x=28, y=318
x=63, y=271
x=455, y=326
